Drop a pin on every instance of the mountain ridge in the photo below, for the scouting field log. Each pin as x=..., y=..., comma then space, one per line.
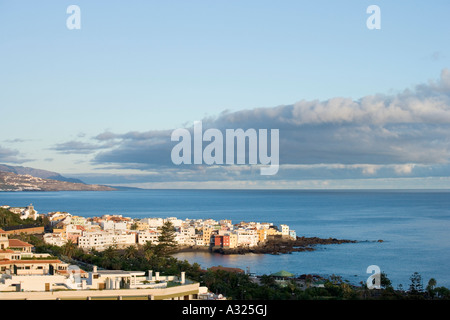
x=39, y=173
x=11, y=181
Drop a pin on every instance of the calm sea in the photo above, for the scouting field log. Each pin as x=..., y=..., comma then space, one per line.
x=414, y=225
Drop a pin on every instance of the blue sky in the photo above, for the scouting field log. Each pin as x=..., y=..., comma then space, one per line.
x=153, y=66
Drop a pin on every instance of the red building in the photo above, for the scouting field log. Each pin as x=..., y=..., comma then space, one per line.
x=221, y=241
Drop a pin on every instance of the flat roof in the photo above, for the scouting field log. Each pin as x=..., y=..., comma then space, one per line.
x=31, y=261
x=119, y=272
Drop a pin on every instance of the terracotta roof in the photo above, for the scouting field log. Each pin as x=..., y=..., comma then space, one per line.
x=6, y=251
x=2, y=231
x=67, y=272
x=3, y=262
x=15, y=243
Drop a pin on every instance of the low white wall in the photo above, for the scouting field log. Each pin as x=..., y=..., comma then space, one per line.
x=83, y=294
x=32, y=282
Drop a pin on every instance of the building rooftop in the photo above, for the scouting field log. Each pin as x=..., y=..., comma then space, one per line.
x=31, y=261
x=118, y=272
x=15, y=243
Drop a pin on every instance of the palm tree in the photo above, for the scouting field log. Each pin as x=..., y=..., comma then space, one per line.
x=430, y=287
x=69, y=248
x=110, y=253
x=130, y=252
x=149, y=250
x=134, y=226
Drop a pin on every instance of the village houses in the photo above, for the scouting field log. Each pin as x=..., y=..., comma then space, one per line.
x=102, y=232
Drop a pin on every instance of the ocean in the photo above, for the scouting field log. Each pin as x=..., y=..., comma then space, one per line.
x=413, y=224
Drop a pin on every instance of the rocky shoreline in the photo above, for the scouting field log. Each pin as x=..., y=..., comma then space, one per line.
x=273, y=246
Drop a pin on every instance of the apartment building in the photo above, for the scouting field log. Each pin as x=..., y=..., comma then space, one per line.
x=111, y=225
x=55, y=239
x=148, y=236
x=17, y=258
x=247, y=237
x=101, y=240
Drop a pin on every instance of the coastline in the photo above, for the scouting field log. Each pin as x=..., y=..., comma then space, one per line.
x=273, y=246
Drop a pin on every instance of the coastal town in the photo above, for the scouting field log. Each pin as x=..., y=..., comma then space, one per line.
x=60, y=256
x=100, y=233
x=25, y=274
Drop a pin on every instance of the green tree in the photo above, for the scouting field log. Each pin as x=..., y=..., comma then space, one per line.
x=130, y=252
x=267, y=281
x=134, y=226
x=109, y=253
x=442, y=292
x=384, y=281
x=148, y=250
x=416, y=283
x=69, y=248
x=166, y=240
x=430, y=287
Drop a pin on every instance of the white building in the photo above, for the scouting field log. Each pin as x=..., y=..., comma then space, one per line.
x=55, y=239
x=110, y=225
x=148, y=236
x=75, y=284
x=284, y=230
x=25, y=212
x=57, y=217
x=188, y=231
x=100, y=240
x=153, y=222
x=246, y=237
x=185, y=239
x=175, y=221
x=199, y=240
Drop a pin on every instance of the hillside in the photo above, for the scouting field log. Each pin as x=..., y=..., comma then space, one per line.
x=9, y=219
x=39, y=173
x=24, y=182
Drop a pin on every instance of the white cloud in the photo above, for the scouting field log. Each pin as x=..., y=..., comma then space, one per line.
x=404, y=168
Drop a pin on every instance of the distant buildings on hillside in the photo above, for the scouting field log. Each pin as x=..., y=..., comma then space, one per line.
x=100, y=233
x=117, y=231
x=24, y=212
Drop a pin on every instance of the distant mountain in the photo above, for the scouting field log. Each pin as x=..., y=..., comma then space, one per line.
x=10, y=181
x=44, y=174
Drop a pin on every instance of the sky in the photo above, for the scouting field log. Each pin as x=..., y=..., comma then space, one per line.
x=355, y=107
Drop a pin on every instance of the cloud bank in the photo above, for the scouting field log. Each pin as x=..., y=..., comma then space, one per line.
x=377, y=136
x=11, y=156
